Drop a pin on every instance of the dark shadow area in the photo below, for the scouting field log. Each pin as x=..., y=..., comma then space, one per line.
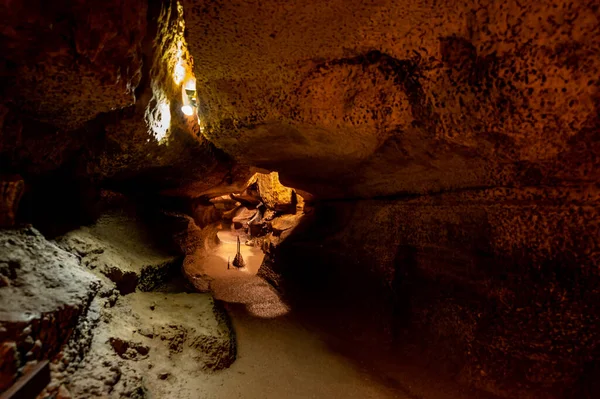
x=338, y=298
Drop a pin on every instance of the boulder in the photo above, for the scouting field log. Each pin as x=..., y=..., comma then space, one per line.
x=182, y=334
x=43, y=295
x=259, y=229
x=225, y=203
x=243, y=217
x=250, y=195
x=274, y=195
x=284, y=223
x=122, y=249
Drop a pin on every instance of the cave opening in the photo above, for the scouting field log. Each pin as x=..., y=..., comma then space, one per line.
x=239, y=230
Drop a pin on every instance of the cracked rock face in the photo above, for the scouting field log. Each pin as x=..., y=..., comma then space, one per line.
x=379, y=98
x=43, y=293
x=149, y=337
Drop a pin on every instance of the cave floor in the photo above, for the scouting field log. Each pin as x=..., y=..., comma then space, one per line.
x=281, y=354
x=277, y=357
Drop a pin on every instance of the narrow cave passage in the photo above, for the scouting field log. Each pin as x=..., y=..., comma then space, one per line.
x=300, y=199
x=238, y=229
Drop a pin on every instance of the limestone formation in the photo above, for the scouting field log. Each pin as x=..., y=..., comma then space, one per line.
x=273, y=194
x=119, y=247
x=243, y=217
x=44, y=294
x=238, y=260
x=176, y=331
x=87, y=57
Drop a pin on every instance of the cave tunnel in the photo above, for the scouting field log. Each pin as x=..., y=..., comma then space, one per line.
x=300, y=199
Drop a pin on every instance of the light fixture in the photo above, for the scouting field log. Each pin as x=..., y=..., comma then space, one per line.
x=188, y=110
x=189, y=97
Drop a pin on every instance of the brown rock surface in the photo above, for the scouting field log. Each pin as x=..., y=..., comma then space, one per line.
x=11, y=190
x=243, y=217
x=78, y=101
x=501, y=284
x=73, y=60
x=378, y=98
x=285, y=222
x=44, y=295
x=123, y=249
x=273, y=194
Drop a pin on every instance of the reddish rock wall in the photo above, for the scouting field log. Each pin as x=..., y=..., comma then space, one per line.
x=503, y=284
x=369, y=98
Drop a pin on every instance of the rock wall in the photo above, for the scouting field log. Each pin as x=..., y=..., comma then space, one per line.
x=456, y=144
x=88, y=97
x=501, y=285
x=371, y=98
x=43, y=294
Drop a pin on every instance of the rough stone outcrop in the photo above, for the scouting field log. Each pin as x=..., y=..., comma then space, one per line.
x=283, y=223
x=43, y=295
x=243, y=217
x=148, y=334
x=153, y=143
x=122, y=248
x=80, y=105
x=273, y=194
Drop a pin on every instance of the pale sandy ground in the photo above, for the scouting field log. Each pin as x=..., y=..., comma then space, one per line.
x=279, y=357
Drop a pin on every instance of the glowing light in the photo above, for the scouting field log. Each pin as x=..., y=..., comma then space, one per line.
x=179, y=72
x=158, y=119
x=190, y=84
x=188, y=110
x=164, y=121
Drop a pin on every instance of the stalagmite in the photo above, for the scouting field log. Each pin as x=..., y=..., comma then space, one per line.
x=238, y=261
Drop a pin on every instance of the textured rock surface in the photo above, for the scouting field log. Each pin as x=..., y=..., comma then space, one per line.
x=493, y=103
x=11, y=190
x=243, y=216
x=153, y=143
x=285, y=222
x=273, y=194
x=502, y=284
x=43, y=294
x=377, y=98
x=147, y=336
x=67, y=63
x=78, y=100
x=123, y=249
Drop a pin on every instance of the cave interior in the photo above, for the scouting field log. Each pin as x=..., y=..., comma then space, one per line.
x=300, y=199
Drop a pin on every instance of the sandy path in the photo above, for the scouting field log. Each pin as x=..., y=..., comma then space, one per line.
x=277, y=356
